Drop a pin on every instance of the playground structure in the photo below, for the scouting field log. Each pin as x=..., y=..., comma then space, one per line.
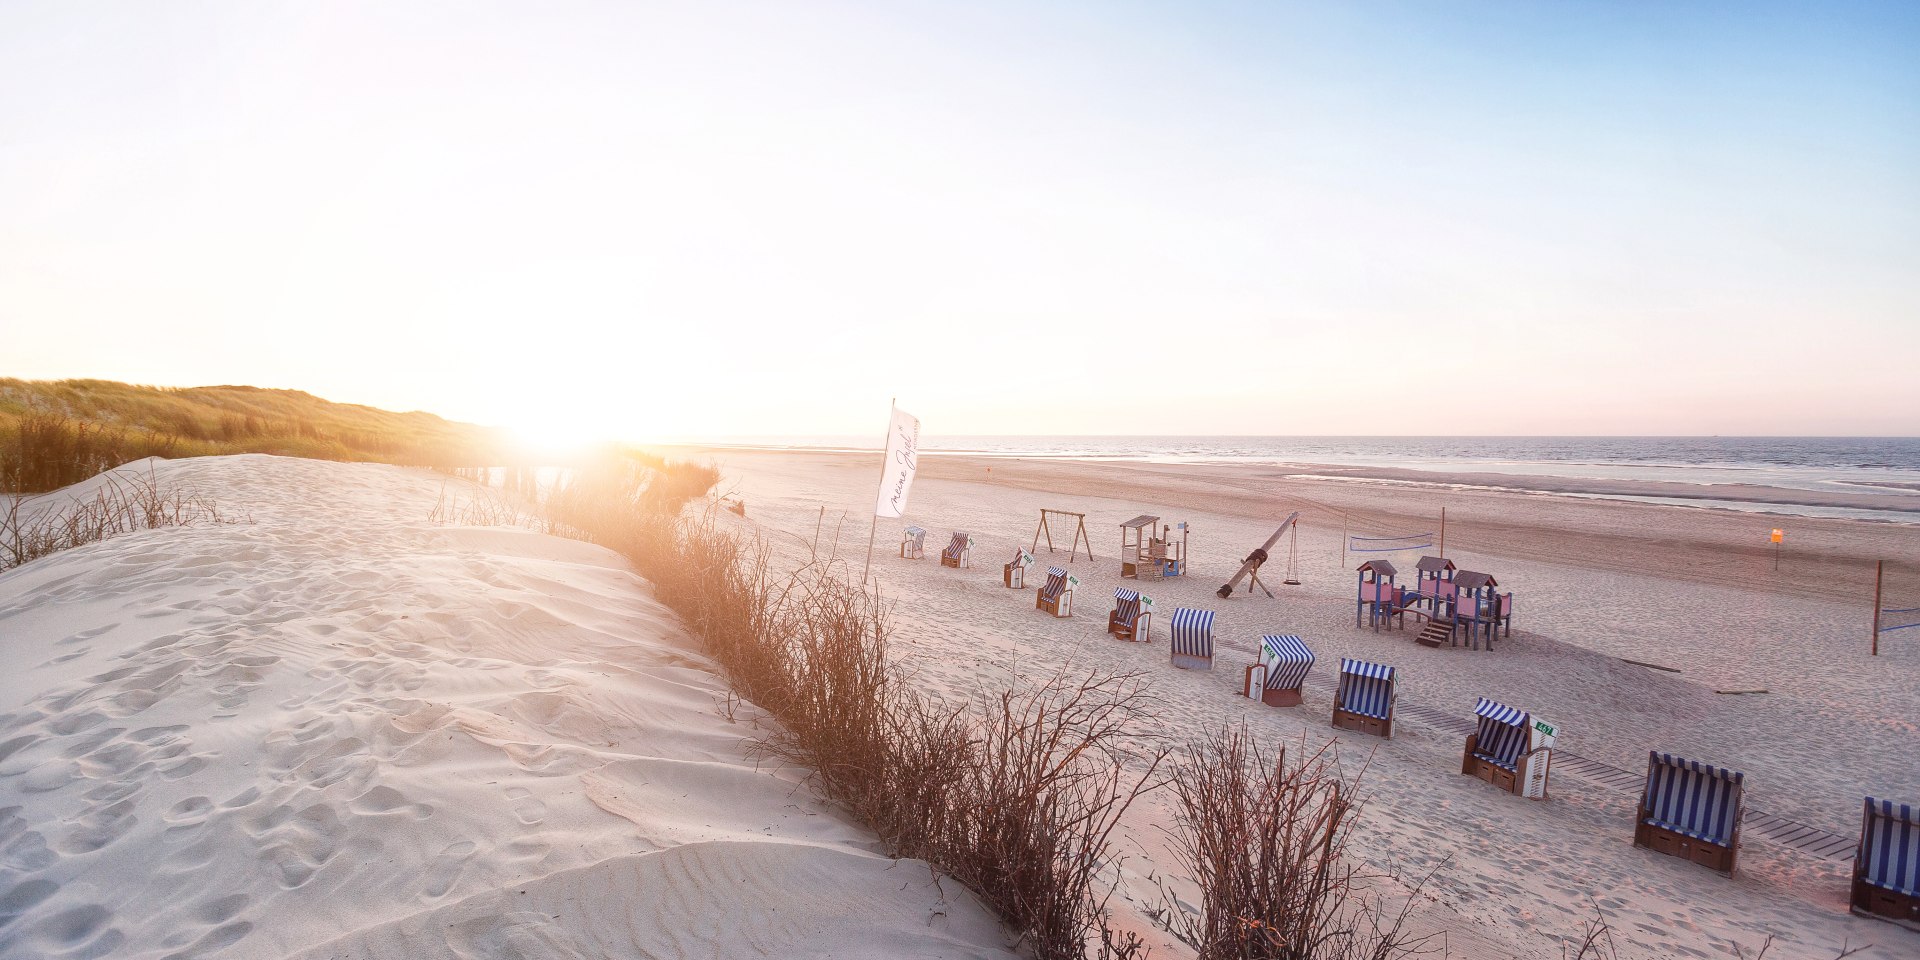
x=1479, y=609
x=1433, y=579
x=1379, y=599
x=1014, y=573
x=1250, y=568
x=913, y=544
x=959, y=552
x=1144, y=556
x=1079, y=533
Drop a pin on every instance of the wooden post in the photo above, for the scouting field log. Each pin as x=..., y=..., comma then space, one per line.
x=821, y=519
x=1879, y=567
x=1443, y=533
x=1343, y=541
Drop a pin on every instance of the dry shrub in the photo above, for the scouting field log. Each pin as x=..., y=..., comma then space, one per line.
x=1265, y=841
x=123, y=502
x=1017, y=796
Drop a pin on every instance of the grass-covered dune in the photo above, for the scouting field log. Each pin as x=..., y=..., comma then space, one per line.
x=56, y=432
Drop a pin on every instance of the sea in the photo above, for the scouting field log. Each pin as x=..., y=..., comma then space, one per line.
x=1879, y=477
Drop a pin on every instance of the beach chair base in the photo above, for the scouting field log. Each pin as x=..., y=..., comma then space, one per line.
x=1013, y=576
x=1661, y=840
x=1512, y=781
x=1135, y=631
x=909, y=553
x=1883, y=904
x=1187, y=661
x=1061, y=606
x=1362, y=723
x=1281, y=698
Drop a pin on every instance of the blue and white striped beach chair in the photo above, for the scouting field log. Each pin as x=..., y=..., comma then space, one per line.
x=959, y=553
x=1014, y=574
x=1282, y=670
x=1364, y=699
x=1886, y=866
x=1192, y=633
x=1497, y=751
x=1129, y=621
x=1692, y=811
x=1056, y=595
x=913, y=544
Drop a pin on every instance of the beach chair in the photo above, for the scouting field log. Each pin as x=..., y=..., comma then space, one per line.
x=1886, y=866
x=1192, y=633
x=913, y=544
x=958, y=553
x=1282, y=670
x=1056, y=595
x=1129, y=621
x=1014, y=574
x=1692, y=811
x=1364, y=699
x=1497, y=751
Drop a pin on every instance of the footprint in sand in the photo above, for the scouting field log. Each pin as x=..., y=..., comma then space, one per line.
x=527, y=808
x=97, y=828
x=446, y=869
x=386, y=801
x=84, y=931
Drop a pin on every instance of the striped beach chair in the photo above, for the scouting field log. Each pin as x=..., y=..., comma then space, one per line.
x=1364, y=699
x=1497, y=751
x=1692, y=811
x=1282, y=670
x=1886, y=867
x=1014, y=574
x=1192, y=633
x=913, y=544
x=1056, y=595
x=958, y=553
x=1129, y=621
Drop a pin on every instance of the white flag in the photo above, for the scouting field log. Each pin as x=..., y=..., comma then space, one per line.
x=903, y=457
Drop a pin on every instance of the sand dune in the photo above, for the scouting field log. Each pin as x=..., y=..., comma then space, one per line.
x=340, y=731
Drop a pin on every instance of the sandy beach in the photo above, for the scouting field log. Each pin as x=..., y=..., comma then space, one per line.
x=1598, y=583
x=338, y=730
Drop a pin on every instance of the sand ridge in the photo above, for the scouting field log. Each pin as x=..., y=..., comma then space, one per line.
x=341, y=731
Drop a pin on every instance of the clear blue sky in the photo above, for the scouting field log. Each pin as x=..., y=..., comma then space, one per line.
x=722, y=218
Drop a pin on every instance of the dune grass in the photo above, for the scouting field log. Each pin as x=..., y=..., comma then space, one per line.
x=53, y=433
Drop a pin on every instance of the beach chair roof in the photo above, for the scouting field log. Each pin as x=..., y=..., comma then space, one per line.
x=1019, y=555
x=1474, y=580
x=1189, y=618
x=1433, y=564
x=1285, y=647
x=1889, y=853
x=1122, y=593
x=1366, y=668
x=1056, y=572
x=1142, y=520
x=1499, y=712
x=916, y=532
x=1704, y=769
x=1380, y=567
x=1897, y=812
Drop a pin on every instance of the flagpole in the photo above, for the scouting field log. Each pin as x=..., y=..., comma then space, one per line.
x=874, y=528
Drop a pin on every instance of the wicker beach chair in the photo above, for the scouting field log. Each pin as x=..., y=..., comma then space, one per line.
x=1284, y=664
x=913, y=544
x=1056, y=595
x=1364, y=699
x=1692, y=811
x=959, y=553
x=1192, y=633
x=1014, y=574
x=1497, y=751
x=1129, y=621
x=1886, y=866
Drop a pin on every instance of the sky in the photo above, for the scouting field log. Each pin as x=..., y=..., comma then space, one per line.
x=644, y=221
